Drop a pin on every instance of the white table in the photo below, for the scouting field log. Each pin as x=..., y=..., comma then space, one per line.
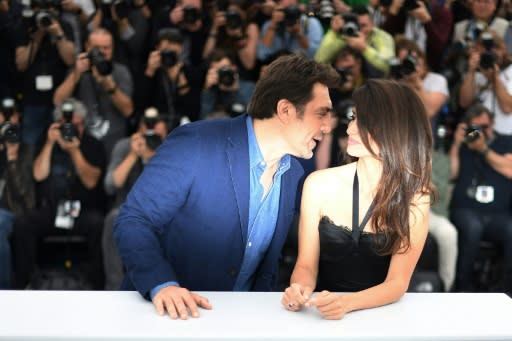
x=111, y=315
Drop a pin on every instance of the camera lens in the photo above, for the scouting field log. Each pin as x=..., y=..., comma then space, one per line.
x=168, y=57
x=226, y=76
x=472, y=133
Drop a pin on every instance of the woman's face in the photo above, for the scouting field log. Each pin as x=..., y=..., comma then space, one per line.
x=355, y=145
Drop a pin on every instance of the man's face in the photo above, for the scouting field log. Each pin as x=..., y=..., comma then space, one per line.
x=351, y=64
x=483, y=9
x=302, y=133
x=103, y=42
x=485, y=123
x=365, y=25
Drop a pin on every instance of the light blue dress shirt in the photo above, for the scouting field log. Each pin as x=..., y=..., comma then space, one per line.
x=263, y=210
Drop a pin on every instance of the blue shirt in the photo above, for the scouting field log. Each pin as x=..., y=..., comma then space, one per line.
x=263, y=210
x=262, y=214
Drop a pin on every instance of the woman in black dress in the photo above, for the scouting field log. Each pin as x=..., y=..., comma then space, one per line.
x=363, y=225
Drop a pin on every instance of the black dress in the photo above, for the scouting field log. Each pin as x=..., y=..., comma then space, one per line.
x=348, y=260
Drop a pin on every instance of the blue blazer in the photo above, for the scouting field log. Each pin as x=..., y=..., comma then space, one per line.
x=186, y=217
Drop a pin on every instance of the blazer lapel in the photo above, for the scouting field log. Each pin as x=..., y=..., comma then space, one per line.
x=238, y=158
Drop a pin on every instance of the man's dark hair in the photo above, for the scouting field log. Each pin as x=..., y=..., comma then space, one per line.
x=290, y=77
x=360, y=10
x=476, y=110
x=171, y=35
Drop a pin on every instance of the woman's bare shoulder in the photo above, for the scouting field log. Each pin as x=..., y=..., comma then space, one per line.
x=331, y=178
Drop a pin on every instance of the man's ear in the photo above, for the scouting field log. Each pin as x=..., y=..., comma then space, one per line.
x=284, y=110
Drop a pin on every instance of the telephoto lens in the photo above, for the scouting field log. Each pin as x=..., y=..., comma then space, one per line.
x=67, y=129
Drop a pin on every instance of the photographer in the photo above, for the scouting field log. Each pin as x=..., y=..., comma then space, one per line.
x=489, y=80
x=67, y=171
x=221, y=86
x=44, y=49
x=357, y=30
x=193, y=21
x=104, y=86
x=168, y=83
x=426, y=22
x=10, y=10
x=481, y=166
x=289, y=30
x=127, y=161
x=431, y=87
x=16, y=183
x=232, y=32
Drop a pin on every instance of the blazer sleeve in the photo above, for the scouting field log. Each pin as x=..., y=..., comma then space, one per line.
x=152, y=203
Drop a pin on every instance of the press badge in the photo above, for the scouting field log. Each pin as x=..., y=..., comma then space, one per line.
x=484, y=194
x=67, y=211
x=44, y=82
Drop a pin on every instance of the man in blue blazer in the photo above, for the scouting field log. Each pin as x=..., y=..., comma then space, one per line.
x=212, y=209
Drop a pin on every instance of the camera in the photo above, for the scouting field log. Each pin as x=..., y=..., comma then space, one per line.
x=67, y=129
x=9, y=132
x=488, y=57
x=168, y=58
x=344, y=74
x=99, y=61
x=233, y=20
x=153, y=140
x=399, y=69
x=351, y=26
x=291, y=15
x=190, y=14
x=43, y=19
x=472, y=133
x=226, y=76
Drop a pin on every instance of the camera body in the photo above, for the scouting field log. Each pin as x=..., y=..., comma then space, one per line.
x=153, y=140
x=472, y=133
x=233, y=20
x=98, y=60
x=344, y=74
x=351, y=26
x=168, y=58
x=190, y=14
x=67, y=129
x=291, y=15
x=488, y=57
x=400, y=69
x=9, y=132
x=226, y=76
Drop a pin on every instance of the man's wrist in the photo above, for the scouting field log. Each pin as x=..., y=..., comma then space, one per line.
x=112, y=90
x=485, y=152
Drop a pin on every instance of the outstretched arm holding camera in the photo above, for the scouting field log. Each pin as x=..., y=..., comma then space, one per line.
x=467, y=89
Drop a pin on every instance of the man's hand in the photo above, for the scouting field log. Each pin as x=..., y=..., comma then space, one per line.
x=179, y=302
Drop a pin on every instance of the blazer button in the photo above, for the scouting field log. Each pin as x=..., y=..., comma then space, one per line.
x=232, y=272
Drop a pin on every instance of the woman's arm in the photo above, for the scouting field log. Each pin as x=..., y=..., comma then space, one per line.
x=303, y=279
x=334, y=306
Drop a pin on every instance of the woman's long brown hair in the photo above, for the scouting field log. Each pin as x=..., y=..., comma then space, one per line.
x=394, y=116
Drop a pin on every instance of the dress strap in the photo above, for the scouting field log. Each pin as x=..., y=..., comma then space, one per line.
x=356, y=228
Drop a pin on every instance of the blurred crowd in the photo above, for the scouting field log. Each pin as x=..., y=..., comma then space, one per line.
x=90, y=88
